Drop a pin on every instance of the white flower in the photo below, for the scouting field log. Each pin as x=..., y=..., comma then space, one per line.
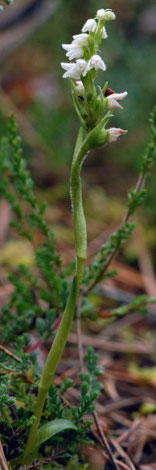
x=109, y=15
x=96, y=63
x=73, y=51
x=80, y=39
x=80, y=88
x=104, y=33
x=74, y=70
x=112, y=100
x=114, y=134
x=90, y=25
x=100, y=14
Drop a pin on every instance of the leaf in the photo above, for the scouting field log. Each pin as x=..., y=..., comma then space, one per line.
x=49, y=430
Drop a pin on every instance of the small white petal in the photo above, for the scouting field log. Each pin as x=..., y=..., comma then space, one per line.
x=100, y=14
x=73, y=51
x=80, y=88
x=80, y=39
x=90, y=25
x=76, y=53
x=120, y=96
x=109, y=15
x=104, y=33
x=96, y=63
x=67, y=47
x=66, y=65
x=114, y=134
x=112, y=100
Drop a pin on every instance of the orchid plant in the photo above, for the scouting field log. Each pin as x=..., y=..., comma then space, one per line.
x=19, y=373
x=94, y=107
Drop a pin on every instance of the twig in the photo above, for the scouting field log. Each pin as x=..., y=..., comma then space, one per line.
x=9, y=353
x=3, y=462
x=122, y=465
x=40, y=463
x=129, y=431
x=105, y=442
x=123, y=454
x=113, y=346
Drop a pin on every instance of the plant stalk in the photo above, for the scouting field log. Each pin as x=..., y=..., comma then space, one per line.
x=59, y=342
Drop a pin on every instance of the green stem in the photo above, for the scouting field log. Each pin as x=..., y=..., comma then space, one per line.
x=6, y=415
x=49, y=369
x=59, y=342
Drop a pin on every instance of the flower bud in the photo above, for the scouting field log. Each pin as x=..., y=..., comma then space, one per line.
x=80, y=88
x=90, y=25
x=100, y=15
x=114, y=134
x=109, y=15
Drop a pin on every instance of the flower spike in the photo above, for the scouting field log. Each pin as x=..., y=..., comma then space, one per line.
x=85, y=62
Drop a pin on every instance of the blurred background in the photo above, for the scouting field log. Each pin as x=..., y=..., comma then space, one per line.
x=31, y=85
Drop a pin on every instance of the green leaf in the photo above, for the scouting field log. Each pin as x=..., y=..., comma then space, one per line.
x=49, y=430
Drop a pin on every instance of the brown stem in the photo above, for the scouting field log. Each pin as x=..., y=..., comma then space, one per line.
x=9, y=353
x=105, y=442
x=3, y=462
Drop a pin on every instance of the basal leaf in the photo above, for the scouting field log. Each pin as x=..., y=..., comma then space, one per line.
x=49, y=430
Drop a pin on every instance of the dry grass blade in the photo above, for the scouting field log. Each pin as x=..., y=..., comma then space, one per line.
x=122, y=465
x=101, y=343
x=147, y=424
x=130, y=431
x=105, y=442
x=123, y=454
